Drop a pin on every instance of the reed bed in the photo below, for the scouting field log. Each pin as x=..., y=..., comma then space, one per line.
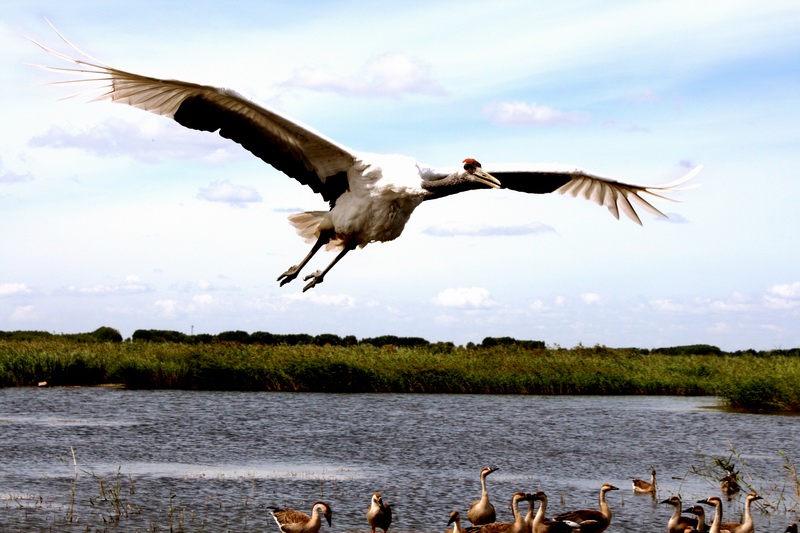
x=742, y=380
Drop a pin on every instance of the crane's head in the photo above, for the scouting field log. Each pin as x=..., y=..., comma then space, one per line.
x=474, y=172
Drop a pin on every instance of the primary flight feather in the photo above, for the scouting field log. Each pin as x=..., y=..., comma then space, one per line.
x=371, y=196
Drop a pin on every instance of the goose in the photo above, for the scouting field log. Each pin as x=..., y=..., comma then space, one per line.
x=678, y=523
x=592, y=520
x=730, y=485
x=370, y=196
x=379, y=513
x=746, y=526
x=717, y=522
x=517, y=526
x=291, y=521
x=700, y=513
x=539, y=523
x=641, y=486
x=455, y=519
x=482, y=511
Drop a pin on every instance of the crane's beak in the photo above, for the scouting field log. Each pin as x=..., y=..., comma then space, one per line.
x=481, y=176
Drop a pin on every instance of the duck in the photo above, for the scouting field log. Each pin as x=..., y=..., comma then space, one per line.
x=678, y=523
x=517, y=526
x=539, y=523
x=641, y=486
x=455, y=519
x=746, y=526
x=700, y=513
x=592, y=520
x=482, y=511
x=791, y=528
x=379, y=513
x=291, y=521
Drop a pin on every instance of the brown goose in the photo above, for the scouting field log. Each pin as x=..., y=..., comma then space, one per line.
x=641, y=486
x=747, y=522
x=730, y=485
x=379, y=513
x=539, y=523
x=455, y=519
x=592, y=520
x=717, y=522
x=678, y=523
x=291, y=521
x=517, y=526
x=700, y=513
x=482, y=511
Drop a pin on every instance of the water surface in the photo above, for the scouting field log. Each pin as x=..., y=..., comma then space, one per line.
x=214, y=461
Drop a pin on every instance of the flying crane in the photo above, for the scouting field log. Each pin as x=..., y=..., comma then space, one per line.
x=371, y=196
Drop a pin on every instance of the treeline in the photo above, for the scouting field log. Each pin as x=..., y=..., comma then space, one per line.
x=263, y=338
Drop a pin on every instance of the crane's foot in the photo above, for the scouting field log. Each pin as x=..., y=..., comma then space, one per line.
x=315, y=278
x=289, y=275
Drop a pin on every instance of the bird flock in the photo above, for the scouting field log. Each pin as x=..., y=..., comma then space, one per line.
x=483, y=518
x=370, y=196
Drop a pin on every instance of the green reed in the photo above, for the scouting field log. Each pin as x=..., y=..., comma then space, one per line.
x=766, y=382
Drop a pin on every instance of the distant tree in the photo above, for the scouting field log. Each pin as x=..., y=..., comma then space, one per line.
x=328, y=338
x=393, y=340
x=690, y=349
x=242, y=337
x=489, y=342
x=158, y=335
x=107, y=334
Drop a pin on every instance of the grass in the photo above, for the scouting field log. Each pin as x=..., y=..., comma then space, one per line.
x=752, y=381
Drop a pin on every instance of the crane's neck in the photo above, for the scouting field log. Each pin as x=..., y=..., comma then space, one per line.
x=452, y=184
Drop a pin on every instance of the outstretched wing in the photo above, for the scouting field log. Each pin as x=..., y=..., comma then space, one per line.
x=614, y=195
x=294, y=149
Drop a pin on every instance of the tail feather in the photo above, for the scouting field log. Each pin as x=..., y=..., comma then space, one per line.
x=310, y=224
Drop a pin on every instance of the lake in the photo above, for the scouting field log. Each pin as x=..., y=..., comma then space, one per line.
x=214, y=461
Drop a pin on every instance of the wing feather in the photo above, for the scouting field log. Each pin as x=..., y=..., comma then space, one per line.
x=294, y=149
x=616, y=196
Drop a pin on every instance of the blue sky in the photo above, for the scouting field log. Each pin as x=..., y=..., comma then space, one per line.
x=112, y=216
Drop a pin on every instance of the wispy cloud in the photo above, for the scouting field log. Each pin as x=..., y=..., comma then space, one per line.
x=230, y=193
x=460, y=230
x=11, y=289
x=531, y=114
x=115, y=138
x=465, y=298
x=9, y=176
x=25, y=313
x=131, y=285
x=387, y=75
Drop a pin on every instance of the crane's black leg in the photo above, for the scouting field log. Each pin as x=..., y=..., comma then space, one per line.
x=318, y=276
x=292, y=273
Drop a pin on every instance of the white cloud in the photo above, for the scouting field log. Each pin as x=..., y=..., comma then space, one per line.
x=791, y=290
x=465, y=297
x=168, y=308
x=230, y=193
x=8, y=176
x=126, y=138
x=330, y=300
x=131, y=285
x=531, y=114
x=458, y=230
x=390, y=75
x=591, y=298
x=10, y=289
x=24, y=313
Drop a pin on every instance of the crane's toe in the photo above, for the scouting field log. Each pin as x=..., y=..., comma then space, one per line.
x=289, y=275
x=315, y=278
